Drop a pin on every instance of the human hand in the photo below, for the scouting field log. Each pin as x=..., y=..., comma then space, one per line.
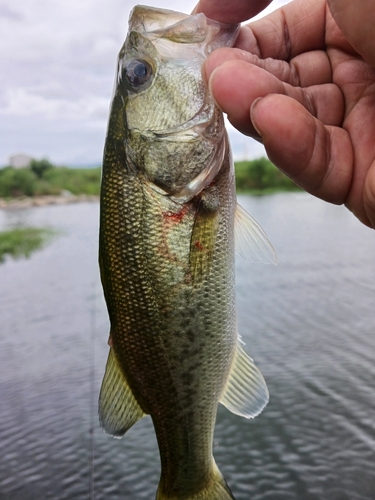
x=302, y=81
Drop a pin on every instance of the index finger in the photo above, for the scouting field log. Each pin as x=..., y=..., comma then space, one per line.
x=231, y=12
x=294, y=29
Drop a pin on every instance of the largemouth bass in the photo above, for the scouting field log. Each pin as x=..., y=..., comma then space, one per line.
x=167, y=224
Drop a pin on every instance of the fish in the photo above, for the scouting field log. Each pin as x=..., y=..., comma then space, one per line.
x=168, y=223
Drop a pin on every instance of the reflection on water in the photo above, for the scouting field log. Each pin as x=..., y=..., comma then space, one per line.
x=21, y=242
x=308, y=323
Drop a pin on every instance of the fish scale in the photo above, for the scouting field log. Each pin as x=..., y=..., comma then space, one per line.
x=167, y=255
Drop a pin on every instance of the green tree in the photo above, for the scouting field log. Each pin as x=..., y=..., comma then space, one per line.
x=39, y=167
x=261, y=176
x=17, y=182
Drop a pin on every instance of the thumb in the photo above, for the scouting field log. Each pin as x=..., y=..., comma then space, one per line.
x=317, y=157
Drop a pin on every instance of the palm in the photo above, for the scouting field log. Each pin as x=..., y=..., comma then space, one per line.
x=356, y=80
x=317, y=115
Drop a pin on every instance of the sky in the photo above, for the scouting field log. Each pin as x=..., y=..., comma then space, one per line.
x=57, y=60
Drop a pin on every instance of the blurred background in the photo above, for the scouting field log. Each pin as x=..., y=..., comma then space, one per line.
x=58, y=65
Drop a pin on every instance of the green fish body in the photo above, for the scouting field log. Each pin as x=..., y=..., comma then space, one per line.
x=168, y=211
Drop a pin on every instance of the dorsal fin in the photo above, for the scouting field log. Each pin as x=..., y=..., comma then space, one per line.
x=251, y=241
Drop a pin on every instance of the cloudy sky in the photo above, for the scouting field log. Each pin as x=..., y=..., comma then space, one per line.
x=57, y=60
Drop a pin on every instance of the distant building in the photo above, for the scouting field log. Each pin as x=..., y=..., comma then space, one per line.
x=20, y=160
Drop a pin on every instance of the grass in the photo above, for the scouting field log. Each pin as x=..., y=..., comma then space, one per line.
x=75, y=180
x=23, y=241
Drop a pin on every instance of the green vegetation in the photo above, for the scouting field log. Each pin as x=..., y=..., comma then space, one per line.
x=22, y=241
x=75, y=180
x=40, y=167
x=42, y=178
x=260, y=176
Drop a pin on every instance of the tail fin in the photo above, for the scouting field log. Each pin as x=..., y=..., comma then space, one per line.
x=216, y=489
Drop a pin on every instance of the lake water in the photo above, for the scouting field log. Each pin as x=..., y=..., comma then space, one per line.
x=309, y=323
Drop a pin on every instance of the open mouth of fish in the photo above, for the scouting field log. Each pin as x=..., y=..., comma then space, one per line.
x=207, y=124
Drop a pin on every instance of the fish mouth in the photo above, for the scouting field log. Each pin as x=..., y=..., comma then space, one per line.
x=208, y=125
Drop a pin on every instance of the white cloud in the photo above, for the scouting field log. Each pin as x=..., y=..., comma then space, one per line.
x=21, y=102
x=58, y=64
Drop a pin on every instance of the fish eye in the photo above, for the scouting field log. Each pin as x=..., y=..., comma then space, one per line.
x=136, y=74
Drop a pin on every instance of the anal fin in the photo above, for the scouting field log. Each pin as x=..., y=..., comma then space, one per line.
x=118, y=408
x=246, y=392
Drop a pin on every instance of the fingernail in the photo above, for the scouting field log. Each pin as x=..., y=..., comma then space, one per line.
x=207, y=71
x=204, y=73
x=210, y=83
x=253, y=115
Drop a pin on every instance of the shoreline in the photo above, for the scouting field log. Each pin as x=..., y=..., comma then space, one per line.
x=42, y=201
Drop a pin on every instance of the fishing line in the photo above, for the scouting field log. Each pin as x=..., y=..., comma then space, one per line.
x=92, y=392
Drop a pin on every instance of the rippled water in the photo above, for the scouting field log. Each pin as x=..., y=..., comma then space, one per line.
x=309, y=323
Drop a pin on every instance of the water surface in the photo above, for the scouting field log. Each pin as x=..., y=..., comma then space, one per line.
x=309, y=323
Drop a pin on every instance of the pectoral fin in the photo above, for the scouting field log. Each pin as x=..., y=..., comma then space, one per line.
x=118, y=408
x=246, y=392
x=251, y=241
x=203, y=240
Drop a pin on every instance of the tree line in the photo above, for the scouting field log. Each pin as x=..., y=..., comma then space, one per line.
x=43, y=178
x=258, y=176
